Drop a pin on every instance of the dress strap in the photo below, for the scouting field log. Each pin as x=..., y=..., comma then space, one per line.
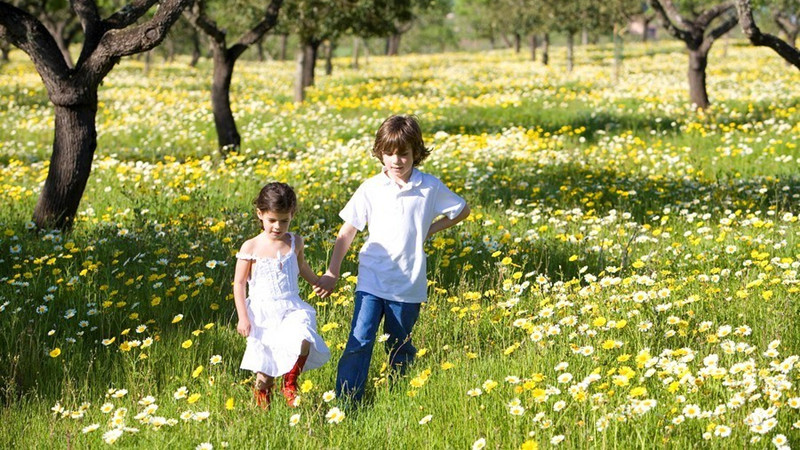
x=247, y=256
x=291, y=235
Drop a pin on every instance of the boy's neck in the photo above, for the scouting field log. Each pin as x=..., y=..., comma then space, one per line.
x=397, y=180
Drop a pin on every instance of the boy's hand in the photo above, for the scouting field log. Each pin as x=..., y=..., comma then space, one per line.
x=244, y=327
x=326, y=284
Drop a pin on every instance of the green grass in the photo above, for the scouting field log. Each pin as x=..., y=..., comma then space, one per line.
x=610, y=222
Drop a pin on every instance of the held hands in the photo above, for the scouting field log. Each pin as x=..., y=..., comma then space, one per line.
x=326, y=284
x=243, y=327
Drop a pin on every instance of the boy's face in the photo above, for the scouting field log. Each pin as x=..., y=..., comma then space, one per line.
x=276, y=224
x=399, y=164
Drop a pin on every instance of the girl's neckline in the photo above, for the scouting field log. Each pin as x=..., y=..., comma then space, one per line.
x=278, y=255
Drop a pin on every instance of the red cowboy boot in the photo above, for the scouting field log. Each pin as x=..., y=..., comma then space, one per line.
x=262, y=396
x=289, y=390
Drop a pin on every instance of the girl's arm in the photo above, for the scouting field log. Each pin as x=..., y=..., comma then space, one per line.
x=305, y=270
x=327, y=282
x=240, y=294
x=445, y=222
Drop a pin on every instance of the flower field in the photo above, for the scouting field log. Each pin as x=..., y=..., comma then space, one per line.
x=628, y=277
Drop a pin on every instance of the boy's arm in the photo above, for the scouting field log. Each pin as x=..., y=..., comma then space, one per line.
x=446, y=222
x=327, y=282
x=305, y=270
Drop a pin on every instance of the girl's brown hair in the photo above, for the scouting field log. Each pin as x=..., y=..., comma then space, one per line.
x=276, y=197
x=399, y=133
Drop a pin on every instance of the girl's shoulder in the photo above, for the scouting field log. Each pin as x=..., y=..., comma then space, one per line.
x=247, y=250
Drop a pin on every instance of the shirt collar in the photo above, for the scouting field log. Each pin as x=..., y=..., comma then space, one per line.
x=413, y=181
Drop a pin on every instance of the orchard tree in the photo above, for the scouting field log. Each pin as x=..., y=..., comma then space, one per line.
x=73, y=90
x=698, y=24
x=571, y=16
x=260, y=21
x=786, y=50
x=315, y=21
x=785, y=13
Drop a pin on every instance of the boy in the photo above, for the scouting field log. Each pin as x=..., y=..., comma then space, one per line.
x=398, y=207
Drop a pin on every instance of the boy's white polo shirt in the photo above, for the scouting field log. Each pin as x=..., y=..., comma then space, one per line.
x=392, y=261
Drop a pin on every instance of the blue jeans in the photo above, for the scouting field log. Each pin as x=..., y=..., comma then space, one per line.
x=367, y=314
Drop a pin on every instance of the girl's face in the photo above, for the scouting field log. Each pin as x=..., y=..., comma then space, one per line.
x=275, y=224
x=399, y=164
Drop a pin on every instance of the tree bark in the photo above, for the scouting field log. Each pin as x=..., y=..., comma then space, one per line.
x=329, y=57
x=354, y=64
x=283, y=43
x=169, y=45
x=788, y=52
x=546, y=49
x=310, y=51
x=570, y=50
x=195, y=49
x=618, y=51
x=517, y=42
x=393, y=44
x=227, y=135
x=260, y=51
x=148, y=56
x=534, y=44
x=70, y=164
x=698, y=36
x=299, y=89
x=698, y=60
x=4, y=49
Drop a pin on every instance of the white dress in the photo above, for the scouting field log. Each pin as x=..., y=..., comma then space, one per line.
x=279, y=319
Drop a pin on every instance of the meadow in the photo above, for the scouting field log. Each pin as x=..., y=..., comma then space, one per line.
x=628, y=277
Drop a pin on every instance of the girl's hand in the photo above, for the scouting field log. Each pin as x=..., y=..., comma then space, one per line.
x=244, y=327
x=326, y=284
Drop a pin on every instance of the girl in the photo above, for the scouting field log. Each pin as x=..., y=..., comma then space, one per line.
x=280, y=327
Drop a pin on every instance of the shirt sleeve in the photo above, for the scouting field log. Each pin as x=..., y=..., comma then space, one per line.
x=355, y=211
x=447, y=203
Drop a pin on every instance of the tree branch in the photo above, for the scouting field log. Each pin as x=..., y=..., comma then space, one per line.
x=757, y=38
x=707, y=16
x=258, y=31
x=88, y=15
x=118, y=43
x=671, y=28
x=128, y=14
x=196, y=15
x=718, y=32
x=784, y=23
x=29, y=35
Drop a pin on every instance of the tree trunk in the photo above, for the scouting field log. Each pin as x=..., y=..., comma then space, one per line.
x=534, y=43
x=354, y=64
x=645, y=28
x=147, y=59
x=70, y=164
x=509, y=44
x=4, y=49
x=299, y=89
x=309, y=62
x=169, y=46
x=570, y=50
x=517, y=42
x=618, y=51
x=393, y=44
x=283, y=42
x=698, y=60
x=492, y=42
x=546, y=49
x=195, y=49
x=260, y=50
x=329, y=58
x=227, y=135
x=584, y=37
